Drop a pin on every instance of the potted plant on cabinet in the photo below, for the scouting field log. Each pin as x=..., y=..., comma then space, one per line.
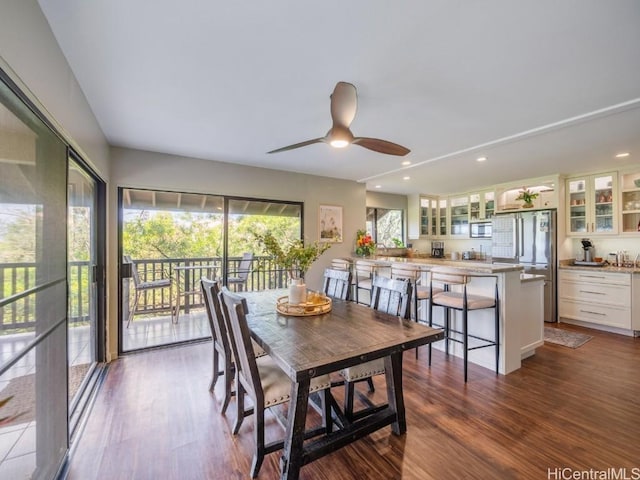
x=528, y=197
x=295, y=258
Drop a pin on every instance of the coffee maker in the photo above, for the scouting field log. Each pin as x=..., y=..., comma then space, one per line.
x=588, y=248
x=437, y=249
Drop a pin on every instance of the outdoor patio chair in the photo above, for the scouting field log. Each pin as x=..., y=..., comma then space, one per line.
x=146, y=286
x=240, y=280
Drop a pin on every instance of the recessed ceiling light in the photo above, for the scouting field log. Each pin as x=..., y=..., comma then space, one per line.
x=406, y=162
x=622, y=155
x=481, y=159
x=378, y=186
x=406, y=178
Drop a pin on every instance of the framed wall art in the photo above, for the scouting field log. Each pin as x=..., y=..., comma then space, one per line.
x=330, y=223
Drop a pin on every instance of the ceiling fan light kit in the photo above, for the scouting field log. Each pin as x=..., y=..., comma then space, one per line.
x=339, y=136
x=344, y=103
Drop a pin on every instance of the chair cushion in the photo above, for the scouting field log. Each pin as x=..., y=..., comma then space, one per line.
x=423, y=293
x=276, y=386
x=363, y=370
x=456, y=300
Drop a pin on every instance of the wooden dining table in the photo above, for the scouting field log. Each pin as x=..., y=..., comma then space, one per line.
x=305, y=347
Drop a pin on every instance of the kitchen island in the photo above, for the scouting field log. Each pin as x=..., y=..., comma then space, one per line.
x=521, y=313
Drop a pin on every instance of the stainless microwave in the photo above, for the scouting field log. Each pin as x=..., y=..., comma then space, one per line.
x=480, y=230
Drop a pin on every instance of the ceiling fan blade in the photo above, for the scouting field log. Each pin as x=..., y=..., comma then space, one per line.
x=298, y=145
x=381, y=146
x=344, y=103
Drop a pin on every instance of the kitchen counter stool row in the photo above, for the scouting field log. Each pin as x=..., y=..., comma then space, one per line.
x=443, y=287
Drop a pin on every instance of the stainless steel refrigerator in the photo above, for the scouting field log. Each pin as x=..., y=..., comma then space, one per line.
x=529, y=239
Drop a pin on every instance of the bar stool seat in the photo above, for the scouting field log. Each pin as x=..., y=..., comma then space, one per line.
x=413, y=273
x=463, y=301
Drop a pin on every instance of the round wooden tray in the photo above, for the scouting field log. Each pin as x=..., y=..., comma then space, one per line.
x=321, y=305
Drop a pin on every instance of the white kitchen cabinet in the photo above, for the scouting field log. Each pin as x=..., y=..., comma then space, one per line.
x=422, y=216
x=592, y=204
x=630, y=187
x=602, y=298
x=442, y=217
x=481, y=206
x=459, y=216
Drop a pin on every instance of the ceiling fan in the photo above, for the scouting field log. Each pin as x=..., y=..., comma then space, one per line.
x=344, y=102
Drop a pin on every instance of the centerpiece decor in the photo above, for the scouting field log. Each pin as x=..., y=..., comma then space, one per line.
x=365, y=245
x=295, y=258
x=528, y=197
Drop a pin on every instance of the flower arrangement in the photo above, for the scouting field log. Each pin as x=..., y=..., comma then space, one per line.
x=293, y=256
x=527, y=196
x=364, y=243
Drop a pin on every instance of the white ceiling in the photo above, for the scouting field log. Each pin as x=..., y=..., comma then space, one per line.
x=537, y=86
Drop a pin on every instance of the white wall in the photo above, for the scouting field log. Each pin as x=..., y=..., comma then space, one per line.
x=30, y=54
x=141, y=169
x=387, y=200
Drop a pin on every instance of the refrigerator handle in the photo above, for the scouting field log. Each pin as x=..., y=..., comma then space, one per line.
x=514, y=229
x=521, y=236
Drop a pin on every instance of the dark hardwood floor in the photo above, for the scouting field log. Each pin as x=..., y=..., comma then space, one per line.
x=565, y=408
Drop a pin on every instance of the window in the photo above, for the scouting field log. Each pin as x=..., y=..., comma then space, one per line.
x=386, y=226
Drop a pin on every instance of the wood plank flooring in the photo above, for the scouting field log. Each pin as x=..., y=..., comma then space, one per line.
x=566, y=408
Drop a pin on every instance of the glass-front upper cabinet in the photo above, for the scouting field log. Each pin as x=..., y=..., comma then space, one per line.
x=591, y=204
x=481, y=206
x=442, y=217
x=489, y=204
x=630, y=186
x=474, y=207
x=459, y=219
x=422, y=217
x=433, y=207
x=425, y=217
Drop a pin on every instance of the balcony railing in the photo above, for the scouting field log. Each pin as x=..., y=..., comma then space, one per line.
x=18, y=277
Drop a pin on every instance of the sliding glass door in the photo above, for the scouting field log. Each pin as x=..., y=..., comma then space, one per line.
x=83, y=268
x=169, y=240
x=33, y=295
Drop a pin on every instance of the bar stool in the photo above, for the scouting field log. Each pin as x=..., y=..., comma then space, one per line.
x=420, y=293
x=413, y=273
x=364, y=272
x=463, y=302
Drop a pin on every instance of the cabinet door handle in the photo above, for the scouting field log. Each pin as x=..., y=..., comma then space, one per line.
x=592, y=293
x=591, y=276
x=594, y=313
